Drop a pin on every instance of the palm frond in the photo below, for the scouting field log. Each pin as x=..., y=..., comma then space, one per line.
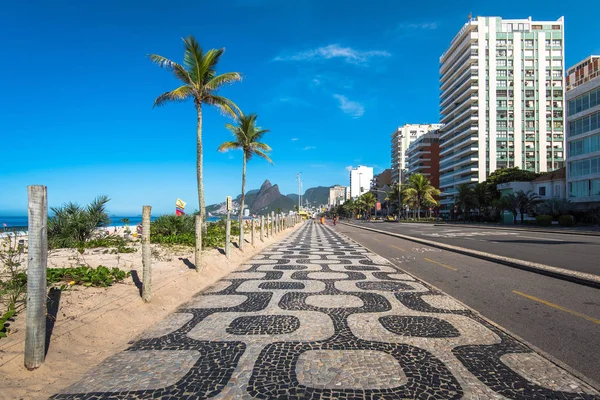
x=193, y=58
x=182, y=93
x=226, y=106
x=263, y=155
x=209, y=64
x=228, y=146
x=223, y=79
x=178, y=70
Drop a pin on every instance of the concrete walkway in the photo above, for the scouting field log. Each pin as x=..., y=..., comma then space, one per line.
x=317, y=316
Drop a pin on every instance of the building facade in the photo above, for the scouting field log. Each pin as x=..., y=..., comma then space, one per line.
x=583, y=133
x=360, y=180
x=401, y=140
x=423, y=157
x=501, y=100
x=382, y=179
x=337, y=195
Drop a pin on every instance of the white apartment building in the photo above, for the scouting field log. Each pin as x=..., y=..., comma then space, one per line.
x=501, y=100
x=337, y=195
x=360, y=180
x=401, y=140
x=583, y=132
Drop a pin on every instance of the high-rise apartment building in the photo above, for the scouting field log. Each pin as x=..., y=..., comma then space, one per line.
x=360, y=180
x=337, y=195
x=501, y=100
x=424, y=157
x=583, y=132
x=401, y=139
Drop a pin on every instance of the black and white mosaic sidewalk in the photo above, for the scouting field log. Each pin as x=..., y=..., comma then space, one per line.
x=317, y=316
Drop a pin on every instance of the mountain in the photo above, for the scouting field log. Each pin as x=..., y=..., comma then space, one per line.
x=314, y=196
x=260, y=202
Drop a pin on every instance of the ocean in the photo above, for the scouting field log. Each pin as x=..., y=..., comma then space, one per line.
x=21, y=221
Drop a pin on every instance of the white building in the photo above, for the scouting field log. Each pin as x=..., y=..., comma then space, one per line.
x=337, y=195
x=360, y=180
x=401, y=140
x=583, y=132
x=501, y=100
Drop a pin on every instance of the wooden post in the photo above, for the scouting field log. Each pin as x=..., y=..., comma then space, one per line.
x=228, y=235
x=241, y=244
x=146, y=256
x=262, y=228
x=35, y=323
x=252, y=232
x=198, y=246
x=272, y=220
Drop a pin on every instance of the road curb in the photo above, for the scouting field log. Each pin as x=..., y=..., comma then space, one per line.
x=582, y=233
x=560, y=273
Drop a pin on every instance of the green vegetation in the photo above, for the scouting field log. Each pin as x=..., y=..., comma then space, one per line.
x=543, y=220
x=200, y=83
x=72, y=224
x=99, y=277
x=180, y=230
x=13, y=283
x=419, y=193
x=566, y=220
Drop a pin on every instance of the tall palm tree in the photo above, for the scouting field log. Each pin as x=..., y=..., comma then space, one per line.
x=419, y=192
x=465, y=199
x=369, y=201
x=200, y=83
x=247, y=138
x=510, y=203
x=527, y=202
x=483, y=196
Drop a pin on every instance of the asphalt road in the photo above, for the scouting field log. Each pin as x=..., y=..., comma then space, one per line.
x=573, y=252
x=559, y=317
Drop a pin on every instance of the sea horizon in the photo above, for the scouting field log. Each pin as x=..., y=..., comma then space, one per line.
x=19, y=221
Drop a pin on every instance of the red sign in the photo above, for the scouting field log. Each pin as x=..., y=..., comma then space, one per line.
x=378, y=206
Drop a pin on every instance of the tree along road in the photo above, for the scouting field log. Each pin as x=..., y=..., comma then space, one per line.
x=573, y=252
x=559, y=317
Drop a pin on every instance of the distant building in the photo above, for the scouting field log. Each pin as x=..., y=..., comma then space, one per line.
x=401, y=139
x=383, y=179
x=360, y=180
x=583, y=133
x=424, y=157
x=551, y=185
x=337, y=195
x=501, y=100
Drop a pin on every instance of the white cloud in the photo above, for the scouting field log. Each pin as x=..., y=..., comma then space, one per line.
x=421, y=26
x=294, y=139
x=348, y=54
x=309, y=148
x=349, y=168
x=352, y=108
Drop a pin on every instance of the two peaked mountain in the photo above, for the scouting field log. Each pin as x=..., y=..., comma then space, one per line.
x=259, y=202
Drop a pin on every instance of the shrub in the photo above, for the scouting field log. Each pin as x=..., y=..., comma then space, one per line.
x=180, y=230
x=566, y=220
x=543, y=220
x=73, y=224
x=86, y=276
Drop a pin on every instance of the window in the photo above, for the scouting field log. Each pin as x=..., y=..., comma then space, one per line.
x=501, y=72
x=536, y=27
x=529, y=114
x=557, y=114
x=556, y=27
x=557, y=124
x=501, y=124
x=501, y=84
x=529, y=93
x=501, y=42
x=556, y=42
x=556, y=73
x=501, y=63
x=528, y=43
x=528, y=63
x=585, y=101
x=542, y=190
x=500, y=53
x=556, y=53
x=501, y=103
x=530, y=124
x=557, y=63
x=510, y=63
x=528, y=53
x=500, y=93
x=529, y=73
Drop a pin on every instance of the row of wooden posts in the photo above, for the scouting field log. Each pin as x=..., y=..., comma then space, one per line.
x=35, y=324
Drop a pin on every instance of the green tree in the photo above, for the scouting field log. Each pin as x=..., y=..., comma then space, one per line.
x=72, y=224
x=247, y=138
x=483, y=196
x=510, y=203
x=527, y=202
x=465, y=199
x=420, y=192
x=368, y=201
x=200, y=83
x=515, y=174
x=555, y=207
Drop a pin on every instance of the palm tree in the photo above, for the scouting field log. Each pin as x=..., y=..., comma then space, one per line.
x=246, y=137
x=483, y=196
x=419, y=191
x=200, y=83
x=526, y=202
x=510, y=203
x=465, y=198
x=369, y=201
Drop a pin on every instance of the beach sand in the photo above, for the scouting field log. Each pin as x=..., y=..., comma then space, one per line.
x=94, y=323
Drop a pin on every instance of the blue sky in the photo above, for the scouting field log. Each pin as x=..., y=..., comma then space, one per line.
x=330, y=79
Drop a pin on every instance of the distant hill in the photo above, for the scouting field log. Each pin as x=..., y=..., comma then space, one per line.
x=314, y=196
x=259, y=202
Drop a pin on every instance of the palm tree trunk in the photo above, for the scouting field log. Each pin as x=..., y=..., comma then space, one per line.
x=242, y=201
x=199, y=166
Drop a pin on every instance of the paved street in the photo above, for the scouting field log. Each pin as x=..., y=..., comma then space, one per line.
x=317, y=316
x=573, y=252
x=526, y=303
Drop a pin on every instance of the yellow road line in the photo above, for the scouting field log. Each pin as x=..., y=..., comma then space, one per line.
x=397, y=247
x=375, y=239
x=561, y=308
x=443, y=265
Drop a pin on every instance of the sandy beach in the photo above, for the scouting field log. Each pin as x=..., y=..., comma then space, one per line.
x=94, y=323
